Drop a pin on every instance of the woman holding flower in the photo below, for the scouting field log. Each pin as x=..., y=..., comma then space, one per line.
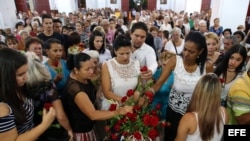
x=56, y=66
x=17, y=109
x=119, y=74
x=230, y=69
x=80, y=99
x=188, y=69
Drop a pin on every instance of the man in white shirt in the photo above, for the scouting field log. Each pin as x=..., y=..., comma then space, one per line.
x=141, y=51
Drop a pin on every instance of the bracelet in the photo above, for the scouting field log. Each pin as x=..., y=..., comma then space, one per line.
x=152, y=90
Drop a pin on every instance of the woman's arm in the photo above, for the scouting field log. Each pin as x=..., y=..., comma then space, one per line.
x=85, y=105
x=167, y=69
x=106, y=84
x=187, y=125
x=61, y=117
x=33, y=134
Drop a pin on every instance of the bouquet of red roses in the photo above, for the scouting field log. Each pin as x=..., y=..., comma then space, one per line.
x=143, y=124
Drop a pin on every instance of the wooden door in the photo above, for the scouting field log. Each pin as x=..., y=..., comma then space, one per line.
x=151, y=5
x=21, y=5
x=205, y=5
x=40, y=5
x=125, y=5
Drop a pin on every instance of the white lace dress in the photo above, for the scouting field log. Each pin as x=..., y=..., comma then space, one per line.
x=123, y=78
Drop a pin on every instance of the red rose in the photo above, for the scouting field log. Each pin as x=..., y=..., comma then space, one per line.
x=137, y=135
x=154, y=112
x=107, y=128
x=165, y=124
x=136, y=108
x=144, y=68
x=47, y=105
x=56, y=63
x=117, y=127
x=125, y=134
x=133, y=117
x=130, y=92
x=124, y=99
x=221, y=80
x=158, y=106
x=114, y=136
x=154, y=121
x=146, y=120
x=112, y=107
x=129, y=115
x=149, y=94
x=153, y=133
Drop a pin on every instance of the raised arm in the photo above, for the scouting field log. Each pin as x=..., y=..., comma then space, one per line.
x=168, y=68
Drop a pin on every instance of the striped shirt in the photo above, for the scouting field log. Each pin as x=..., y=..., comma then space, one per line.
x=8, y=122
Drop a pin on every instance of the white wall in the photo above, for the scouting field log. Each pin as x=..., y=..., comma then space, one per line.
x=91, y=4
x=8, y=14
x=163, y=6
x=231, y=12
x=193, y=5
x=118, y=5
x=63, y=5
x=179, y=5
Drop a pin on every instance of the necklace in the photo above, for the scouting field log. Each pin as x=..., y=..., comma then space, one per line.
x=230, y=70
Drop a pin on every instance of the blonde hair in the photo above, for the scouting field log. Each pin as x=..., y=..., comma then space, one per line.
x=212, y=35
x=206, y=102
x=37, y=72
x=99, y=28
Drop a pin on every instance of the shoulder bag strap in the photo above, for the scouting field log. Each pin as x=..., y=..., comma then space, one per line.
x=175, y=48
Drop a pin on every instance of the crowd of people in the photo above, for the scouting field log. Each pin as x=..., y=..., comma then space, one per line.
x=59, y=73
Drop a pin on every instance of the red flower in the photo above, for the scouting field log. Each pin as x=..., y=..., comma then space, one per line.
x=144, y=68
x=47, y=105
x=165, y=124
x=146, y=120
x=56, y=63
x=153, y=133
x=117, y=127
x=158, y=106
x=154, y=121
x=112, y=107
x=137, y=135
x=222, y=80
x=124, y=99
x=107, y=128
x=130, y=92
x=114, y=136
x=136, y=108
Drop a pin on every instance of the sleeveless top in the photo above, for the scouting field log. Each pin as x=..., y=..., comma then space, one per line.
x=217, y=136
x=123, y=77
x=79, y=121
x=183, y=87
x=8, y=122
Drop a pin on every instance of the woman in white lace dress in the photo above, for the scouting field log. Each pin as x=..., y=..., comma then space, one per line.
x=120, y=73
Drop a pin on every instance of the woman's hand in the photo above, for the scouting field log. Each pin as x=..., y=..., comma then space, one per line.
x=58, y=77
x=125, y=109
x=146, y=74
x=48, y=116
x=70, y=134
